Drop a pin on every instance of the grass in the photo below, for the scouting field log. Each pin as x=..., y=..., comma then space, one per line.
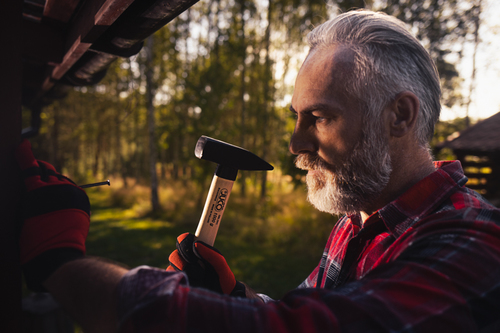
x=271, y=244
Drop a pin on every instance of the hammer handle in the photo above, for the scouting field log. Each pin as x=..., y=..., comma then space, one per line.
x=219, y=192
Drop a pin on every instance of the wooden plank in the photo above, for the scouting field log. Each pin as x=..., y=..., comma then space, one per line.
x=476, y=175
x=476, y=164
x=10, y=135
x=476, y=187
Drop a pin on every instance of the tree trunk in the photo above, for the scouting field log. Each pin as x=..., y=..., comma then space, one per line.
x=155, y=204
x=472, y=87
x=120, y=166
x=268, y=79
x=55, y=154
x=98, y=147
x=242, y=92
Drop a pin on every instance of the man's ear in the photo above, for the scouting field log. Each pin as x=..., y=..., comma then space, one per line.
x=403, y=113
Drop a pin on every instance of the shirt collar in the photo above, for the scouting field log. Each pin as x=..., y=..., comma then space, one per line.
x=423, y=197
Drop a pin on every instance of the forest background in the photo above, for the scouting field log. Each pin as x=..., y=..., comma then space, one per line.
x=224, y=69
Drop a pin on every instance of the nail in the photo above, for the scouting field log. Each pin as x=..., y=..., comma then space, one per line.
x=96, y=184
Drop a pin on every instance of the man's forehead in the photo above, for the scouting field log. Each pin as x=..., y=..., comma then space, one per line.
x=325, y=70
x=324, y=78
x=335, y=57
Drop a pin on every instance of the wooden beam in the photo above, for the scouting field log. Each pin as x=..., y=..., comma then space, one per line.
x=10, y=135
x=60, y=11
x=91, y=21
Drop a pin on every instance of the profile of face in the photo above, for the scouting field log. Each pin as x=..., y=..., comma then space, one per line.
x=346, y=155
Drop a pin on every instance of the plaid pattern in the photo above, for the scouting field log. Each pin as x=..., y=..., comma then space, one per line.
x=427, y=262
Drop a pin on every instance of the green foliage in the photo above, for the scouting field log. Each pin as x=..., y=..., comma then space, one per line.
x=446, y=130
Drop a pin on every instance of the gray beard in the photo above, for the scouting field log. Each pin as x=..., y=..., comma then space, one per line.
x=352, y=185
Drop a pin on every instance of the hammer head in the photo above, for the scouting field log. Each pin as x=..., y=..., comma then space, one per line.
x=229, y=155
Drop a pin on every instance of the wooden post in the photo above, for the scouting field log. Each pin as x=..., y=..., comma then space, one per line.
x=10, y=135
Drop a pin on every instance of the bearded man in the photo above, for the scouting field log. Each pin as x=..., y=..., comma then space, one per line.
x=415, y=251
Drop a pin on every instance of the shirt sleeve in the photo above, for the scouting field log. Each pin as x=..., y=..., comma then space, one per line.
x=445, y=281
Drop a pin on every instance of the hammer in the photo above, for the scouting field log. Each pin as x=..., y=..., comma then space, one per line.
x=230, y=159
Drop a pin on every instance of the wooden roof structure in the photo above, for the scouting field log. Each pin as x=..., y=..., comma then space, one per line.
x=46, y=47
x=72, y=42
x=481, y=137
x=478, y=149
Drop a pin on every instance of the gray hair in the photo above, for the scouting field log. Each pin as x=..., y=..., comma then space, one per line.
x=388, y=60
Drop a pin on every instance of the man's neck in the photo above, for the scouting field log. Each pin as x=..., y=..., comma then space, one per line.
x=406, y=173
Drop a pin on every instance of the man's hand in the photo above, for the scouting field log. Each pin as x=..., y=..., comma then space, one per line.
x=205, y=266
x=56, y=218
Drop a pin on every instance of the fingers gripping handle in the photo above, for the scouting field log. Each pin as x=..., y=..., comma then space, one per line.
x=217, y=198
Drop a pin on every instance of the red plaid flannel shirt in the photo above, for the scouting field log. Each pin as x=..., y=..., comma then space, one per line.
x=427, y=262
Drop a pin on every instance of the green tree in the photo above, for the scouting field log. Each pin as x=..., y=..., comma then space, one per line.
x=150, y=96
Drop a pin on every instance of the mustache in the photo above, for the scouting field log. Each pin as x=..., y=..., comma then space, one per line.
x=311, y=161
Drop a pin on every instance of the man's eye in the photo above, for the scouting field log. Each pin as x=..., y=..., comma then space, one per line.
x=318, y=119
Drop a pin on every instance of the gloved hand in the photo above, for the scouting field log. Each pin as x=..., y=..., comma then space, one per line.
x=56, y=218
x=205, y=266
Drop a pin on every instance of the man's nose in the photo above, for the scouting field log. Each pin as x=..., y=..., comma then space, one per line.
x=302, y=140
